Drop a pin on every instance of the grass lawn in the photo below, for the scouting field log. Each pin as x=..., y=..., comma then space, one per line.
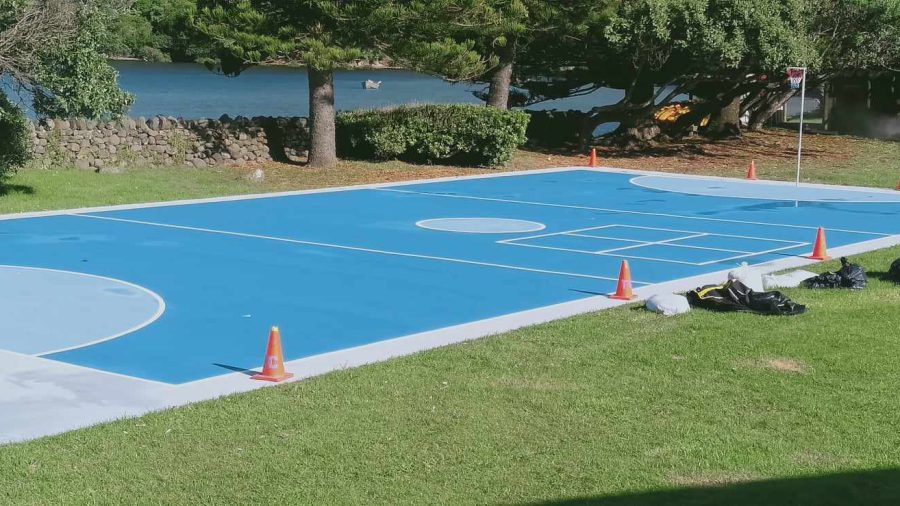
x=621, y=407
x=616, y=403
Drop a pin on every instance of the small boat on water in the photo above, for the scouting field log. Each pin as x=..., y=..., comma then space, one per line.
x=369, y=84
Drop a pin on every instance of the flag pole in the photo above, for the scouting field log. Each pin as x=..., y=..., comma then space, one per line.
x=802, y=108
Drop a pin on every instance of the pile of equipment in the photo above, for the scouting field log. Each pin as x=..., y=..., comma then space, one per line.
x=749, y=290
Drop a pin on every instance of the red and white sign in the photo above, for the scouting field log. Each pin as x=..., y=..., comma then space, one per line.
x=796, y=75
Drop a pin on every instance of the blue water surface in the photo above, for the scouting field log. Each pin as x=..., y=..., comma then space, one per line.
x=191, y=91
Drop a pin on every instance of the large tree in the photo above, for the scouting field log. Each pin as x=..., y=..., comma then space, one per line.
x=49, y=48
x=730, y=55
x=155, y=30
x=502, y=30
x=27, y=28
x=496, y=27
x=75, y=79
x=657, y=51
x=325, y=35
x=742, y=45
x=52, y=49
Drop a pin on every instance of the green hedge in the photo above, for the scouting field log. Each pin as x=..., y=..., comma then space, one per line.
x=453, y=134
x=14, y=151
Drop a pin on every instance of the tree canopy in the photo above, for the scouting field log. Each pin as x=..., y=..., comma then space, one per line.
x=75, y=80
x=155, y=30
x=325, y=35
x=728, y=54
x=52, y=48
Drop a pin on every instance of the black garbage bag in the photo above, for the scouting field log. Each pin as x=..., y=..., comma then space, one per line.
x=894, y=272
x=850, y=276
x=736, y=296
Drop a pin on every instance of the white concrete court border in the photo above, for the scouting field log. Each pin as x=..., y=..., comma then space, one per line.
x=40, y=397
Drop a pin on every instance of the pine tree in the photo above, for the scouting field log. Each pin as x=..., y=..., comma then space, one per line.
x=325, y=35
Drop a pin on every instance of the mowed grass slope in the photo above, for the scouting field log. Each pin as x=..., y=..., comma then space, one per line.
x=600, y=407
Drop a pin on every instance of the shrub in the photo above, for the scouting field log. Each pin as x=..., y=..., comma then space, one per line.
x=77, y=81
x=454, y=134
x=14, y=151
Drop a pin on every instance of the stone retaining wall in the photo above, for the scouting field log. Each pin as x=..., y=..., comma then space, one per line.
x=99, y=145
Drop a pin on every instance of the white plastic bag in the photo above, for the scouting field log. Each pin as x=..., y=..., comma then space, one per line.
x=790, y=280
x=668, y=304
x=748, y=276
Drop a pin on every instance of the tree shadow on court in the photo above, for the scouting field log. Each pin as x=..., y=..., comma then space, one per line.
x=872, y=488
x=242, y=370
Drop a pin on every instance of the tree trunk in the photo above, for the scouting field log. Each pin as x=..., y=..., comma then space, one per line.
x=501, y=77
x=322, y=148
x=637, y=126
x=767, y=107
x=726, y=121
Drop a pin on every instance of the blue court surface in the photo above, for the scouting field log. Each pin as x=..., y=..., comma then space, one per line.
x=177, y=293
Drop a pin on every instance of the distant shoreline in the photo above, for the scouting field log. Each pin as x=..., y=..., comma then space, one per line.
x=363, y=65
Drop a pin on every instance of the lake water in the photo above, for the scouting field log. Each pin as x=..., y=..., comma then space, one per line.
x=191, y=91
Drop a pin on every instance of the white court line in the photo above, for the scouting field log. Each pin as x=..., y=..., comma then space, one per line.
x=705, y=248
x=616, y=252
x=654, y=243
x=586, y=252
x=652, y=259
x=738, y=257
x=751, y=237
x=641, y=227
x=349, y=248
x=693, y=232
x=554, y=248
x=429, y=225
x=671, y=243
x=624, y=211
x=160, y=307
x=647, y=243
x=588, y=236
x=759, y=185
x=551, y=234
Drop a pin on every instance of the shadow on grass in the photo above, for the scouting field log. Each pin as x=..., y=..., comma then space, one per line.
x=883, y=276
x=695, y=148
x=555, y=150
x=872, y=488
x=11, y=189
x=674, y=149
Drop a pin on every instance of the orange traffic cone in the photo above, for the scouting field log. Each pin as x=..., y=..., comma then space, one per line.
x=273, y=368
x=751, y=172
x=820, y=250
x=592, y=160
x=623, y=289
